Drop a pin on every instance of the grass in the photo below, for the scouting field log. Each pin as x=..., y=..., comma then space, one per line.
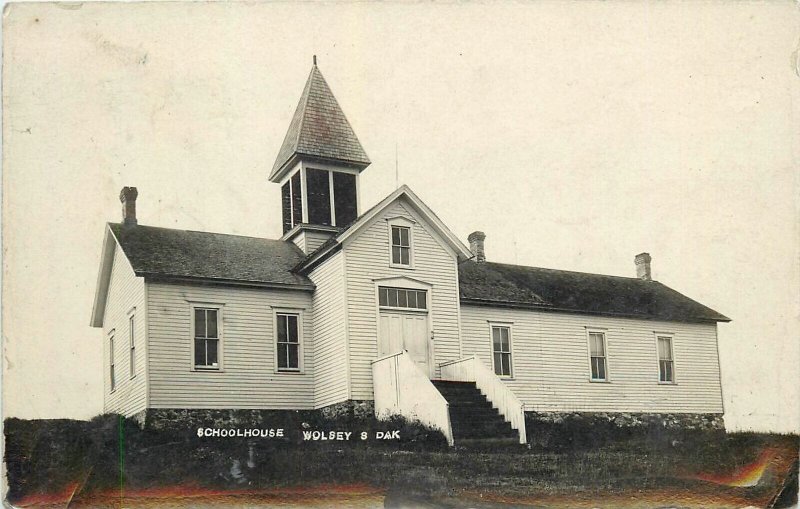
x=62, y=456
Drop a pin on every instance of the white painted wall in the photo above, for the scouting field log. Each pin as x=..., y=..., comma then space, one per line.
x=401, y=388
x=330, y=340
x=367, y=259
x=551, y=364
x=126, y=296
x=308, y=240
x=248, y=378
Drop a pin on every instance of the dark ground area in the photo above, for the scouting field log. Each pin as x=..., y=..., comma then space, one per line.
x=111, y=462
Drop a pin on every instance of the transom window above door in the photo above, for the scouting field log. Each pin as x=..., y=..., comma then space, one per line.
x=402, y=298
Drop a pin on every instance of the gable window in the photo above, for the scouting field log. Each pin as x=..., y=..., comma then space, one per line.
x=402, y=298
x=666, y=371
x=288, y=341
x=501, y=349
x=597, y=356
x=401, y=245
x=206, y=337
x=132, y=344
x=112, y=366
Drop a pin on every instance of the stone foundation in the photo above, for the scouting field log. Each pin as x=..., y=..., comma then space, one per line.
x=164, y=418
x=586, y=430
x=357, y=409
x=670, y=421
x=173, y=418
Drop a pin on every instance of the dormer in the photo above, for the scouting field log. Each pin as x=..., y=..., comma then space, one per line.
x=318, y=167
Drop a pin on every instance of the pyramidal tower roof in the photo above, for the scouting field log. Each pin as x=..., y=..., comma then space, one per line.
x=319, y=130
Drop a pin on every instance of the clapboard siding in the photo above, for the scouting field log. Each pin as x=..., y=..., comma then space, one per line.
x=248, y=378
x=125, y=298
x=330, y=340
x=367, y=259
x=551, y=361
x=309, y=241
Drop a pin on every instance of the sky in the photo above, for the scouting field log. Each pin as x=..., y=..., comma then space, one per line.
x=576, y=135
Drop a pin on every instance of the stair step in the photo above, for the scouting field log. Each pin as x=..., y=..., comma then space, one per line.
x=472, y=404
x=487, y=426
x=472, y=416
x=459, y=434
x=498, y=422
x=473, y=411
x=491, y=444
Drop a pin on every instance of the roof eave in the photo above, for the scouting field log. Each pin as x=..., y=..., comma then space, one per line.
x=103, y=278
x=456, y=245
x=309, y=264
x=548, y=307
x=157, y=277
x=279, y=171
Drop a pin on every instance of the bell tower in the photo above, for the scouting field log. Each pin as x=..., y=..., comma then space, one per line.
x=318, y=167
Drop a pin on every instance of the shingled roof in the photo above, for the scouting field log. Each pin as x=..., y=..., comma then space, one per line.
x=190, y=255
x=495, y=284
x=320, y=129
x=168, y=253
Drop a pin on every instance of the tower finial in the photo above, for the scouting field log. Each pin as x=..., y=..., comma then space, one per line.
x=315, y=59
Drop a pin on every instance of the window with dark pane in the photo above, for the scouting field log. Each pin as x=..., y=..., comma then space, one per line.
x=297, y=200
x=665, y=361
x=401, y=245
x=288, y=342
x=318, y=188
x=402, y=298
x=286, y=206
x=206, y=338
x=597, y=355
x=501, y=349
x=345, y=199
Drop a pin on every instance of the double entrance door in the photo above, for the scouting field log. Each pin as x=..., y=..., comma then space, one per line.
x=405, y=330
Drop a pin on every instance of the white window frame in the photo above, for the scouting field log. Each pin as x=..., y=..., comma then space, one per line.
x=671, y=337
x=300, y=369
x=220, y=336
x=604, y=332
x=510, y=327
x=401, y=222
x=407, y=283
x=132, y=343
x=112, y=366
x=426, y=291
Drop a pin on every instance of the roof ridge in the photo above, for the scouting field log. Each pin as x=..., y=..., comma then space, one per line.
x=200, y=231
x=304, y=105
x=632, y=278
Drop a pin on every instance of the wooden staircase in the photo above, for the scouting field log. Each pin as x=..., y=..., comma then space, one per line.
x=473, y=418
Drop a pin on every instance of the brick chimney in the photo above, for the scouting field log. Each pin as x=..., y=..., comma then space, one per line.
x=476, y=246
x=642, y=261
x=128, y=198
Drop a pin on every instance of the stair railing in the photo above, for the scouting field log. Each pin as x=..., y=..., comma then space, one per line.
x=471, y=369
x=401, y=388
